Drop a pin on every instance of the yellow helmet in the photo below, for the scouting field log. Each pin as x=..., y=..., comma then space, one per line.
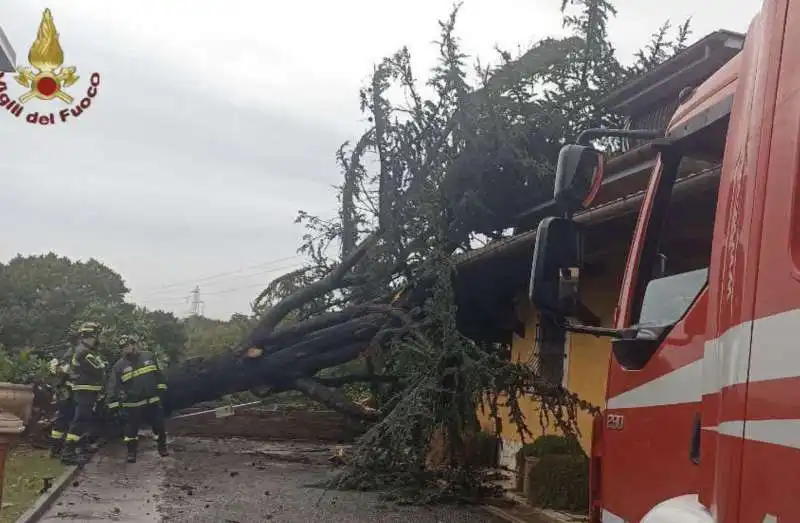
x=89, y=329
x=128, y=339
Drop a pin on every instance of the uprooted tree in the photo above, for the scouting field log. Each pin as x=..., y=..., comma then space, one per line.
x=430, y=179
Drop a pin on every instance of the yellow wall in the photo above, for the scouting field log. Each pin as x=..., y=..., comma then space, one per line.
x=522, y=351
x=586, y=371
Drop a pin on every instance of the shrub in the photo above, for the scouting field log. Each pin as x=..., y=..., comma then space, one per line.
x=560, y=477
x=552, y=445
x=21, y=366
x=560, y=482
x=482, y=449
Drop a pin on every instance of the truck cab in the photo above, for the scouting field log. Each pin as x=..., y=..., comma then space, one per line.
x=702, y=420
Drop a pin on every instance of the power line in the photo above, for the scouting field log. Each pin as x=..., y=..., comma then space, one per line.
x=226, y=273
x=202, y=279
x=173, y=288
x=262, y=285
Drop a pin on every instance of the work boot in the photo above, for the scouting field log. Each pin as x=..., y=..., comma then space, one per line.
x=56, y=447
x=72, y=456
x=162, y=446
x=90, y=447
x=132, y=446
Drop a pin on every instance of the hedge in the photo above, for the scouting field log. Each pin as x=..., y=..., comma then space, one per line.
x=560, y=478
x=552, y=444
x=560, y=482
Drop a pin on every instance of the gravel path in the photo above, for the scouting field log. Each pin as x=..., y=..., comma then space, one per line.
x=231, y=481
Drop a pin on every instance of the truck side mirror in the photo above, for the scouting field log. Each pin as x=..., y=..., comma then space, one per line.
x=555, y=271
x=579, y=174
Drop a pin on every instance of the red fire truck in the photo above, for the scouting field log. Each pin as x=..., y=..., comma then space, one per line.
x=702, y=421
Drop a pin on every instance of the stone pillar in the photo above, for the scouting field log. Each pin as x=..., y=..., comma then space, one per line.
x=16, y=403
x=10, y=428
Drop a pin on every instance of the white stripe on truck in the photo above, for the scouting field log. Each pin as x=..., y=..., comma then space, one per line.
x=725, y=363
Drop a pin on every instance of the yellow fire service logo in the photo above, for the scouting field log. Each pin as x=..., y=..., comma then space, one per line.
x=47, y=80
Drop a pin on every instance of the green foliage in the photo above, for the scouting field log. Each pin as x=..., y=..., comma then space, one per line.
x=25, y=471
x=446, y=376
x=560, y=482
x=293, y=281
x=44, y=298
x=205, y=336
x=167, y=335
x=661, y=47
x=22, y=366
x=41, y=297
x=552, y=444
x=158, y=331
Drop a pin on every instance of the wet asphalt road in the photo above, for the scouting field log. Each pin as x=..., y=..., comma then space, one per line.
x=230, y=481
x=109, y=489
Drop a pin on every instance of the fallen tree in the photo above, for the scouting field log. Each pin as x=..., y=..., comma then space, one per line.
x=388, y=301
x=279, y=366
x=411, y=224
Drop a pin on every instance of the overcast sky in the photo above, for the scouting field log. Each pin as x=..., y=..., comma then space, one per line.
x=217, y=120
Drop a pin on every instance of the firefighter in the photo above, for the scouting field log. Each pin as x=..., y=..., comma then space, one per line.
x=65, y=406
x=99, y=414
x=135, y=385
x=88, y=375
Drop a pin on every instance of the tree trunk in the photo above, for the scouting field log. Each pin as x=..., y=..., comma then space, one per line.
x=299, y=356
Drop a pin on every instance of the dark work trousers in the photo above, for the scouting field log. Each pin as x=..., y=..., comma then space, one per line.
x=152, y=414
x=97, y=426
x=65, y=412
x=83, y=417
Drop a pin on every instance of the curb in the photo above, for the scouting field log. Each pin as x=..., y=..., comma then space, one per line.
x=534, y=516
x=499, y=513
x=47, y=499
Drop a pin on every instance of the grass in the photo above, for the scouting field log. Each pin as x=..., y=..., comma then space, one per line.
x=26, y=469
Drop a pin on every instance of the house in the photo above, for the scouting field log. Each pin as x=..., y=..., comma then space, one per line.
x=491, y=285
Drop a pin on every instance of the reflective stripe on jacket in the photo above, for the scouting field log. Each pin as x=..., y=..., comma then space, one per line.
x=136, y=381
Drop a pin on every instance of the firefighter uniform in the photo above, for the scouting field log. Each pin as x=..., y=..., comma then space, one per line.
x=135, y=385
x=98, y=414
x=65, y=406
x=88, y=375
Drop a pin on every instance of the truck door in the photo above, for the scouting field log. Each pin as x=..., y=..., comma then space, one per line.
x=770, y=479
x=736, y=287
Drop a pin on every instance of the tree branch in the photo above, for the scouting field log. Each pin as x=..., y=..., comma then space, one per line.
x=334, y=399
x=329, y=282
x=338, y=381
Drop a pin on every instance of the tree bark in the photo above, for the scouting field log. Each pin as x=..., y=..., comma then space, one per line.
x=301, y=355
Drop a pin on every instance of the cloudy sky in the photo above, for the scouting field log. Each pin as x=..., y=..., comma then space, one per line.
x=217, y=120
